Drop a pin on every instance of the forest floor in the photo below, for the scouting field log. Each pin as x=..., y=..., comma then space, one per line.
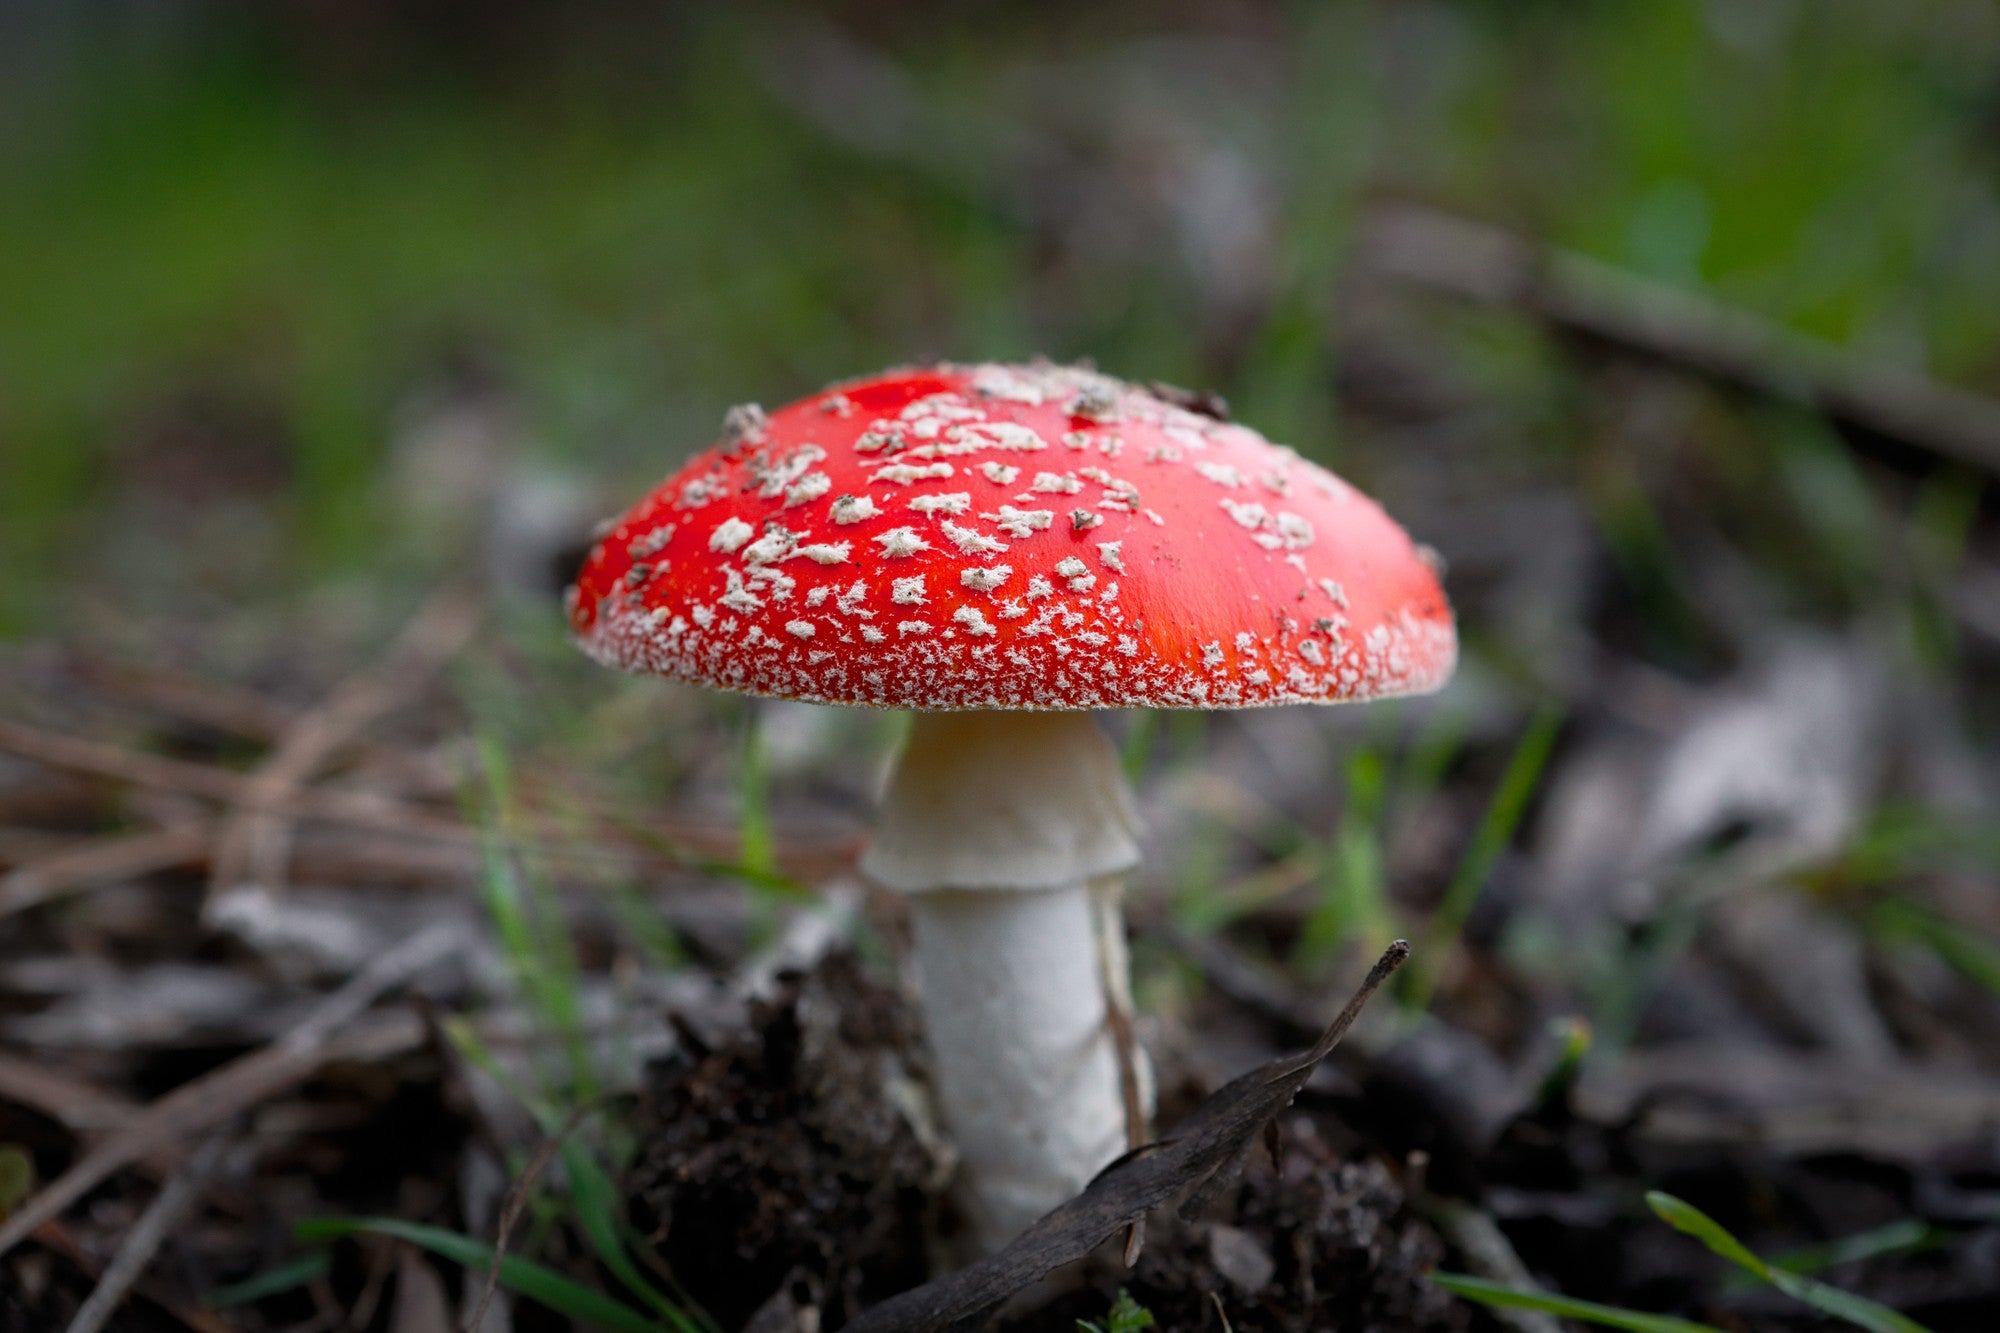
x=353, y=925
x=346, y=936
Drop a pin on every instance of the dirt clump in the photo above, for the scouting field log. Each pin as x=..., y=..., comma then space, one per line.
x=1315, y=1242
x=783, y=1163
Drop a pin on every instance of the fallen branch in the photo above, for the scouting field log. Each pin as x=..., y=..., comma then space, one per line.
x=1483, y=263
x=1198, y=1159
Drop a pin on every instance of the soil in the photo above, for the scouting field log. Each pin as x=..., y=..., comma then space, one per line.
x=784, y=1173
x=780, y=1163
x=1312, y=1242
x=789, y=1185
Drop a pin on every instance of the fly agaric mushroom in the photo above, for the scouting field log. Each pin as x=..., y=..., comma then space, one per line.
x=1002, y=548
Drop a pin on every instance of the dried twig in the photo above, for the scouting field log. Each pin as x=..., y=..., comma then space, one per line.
x=76, y=1105
x=517, y=1203
x=1471, y=259
x=365, y=810
x=19, y=846
x=1191, y=1164
x=102, y=861
x=58, y=1239
x=143, y=1240
x=225, y=708
x=119, y=764
x=81, y=1107
x=246, y=1080
x=256, y=841
x=1116, y=972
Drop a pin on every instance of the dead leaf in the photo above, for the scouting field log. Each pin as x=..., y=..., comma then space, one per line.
x=1203, y=1152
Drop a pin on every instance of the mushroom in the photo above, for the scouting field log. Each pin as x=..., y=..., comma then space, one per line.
x=1001, y=549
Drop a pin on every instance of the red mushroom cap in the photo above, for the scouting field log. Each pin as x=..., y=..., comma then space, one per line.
x=1001, y=536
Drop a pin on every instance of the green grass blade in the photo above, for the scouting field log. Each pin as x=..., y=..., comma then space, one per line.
x=1353, y=901
x=563, y=978
x=464, y=1038
x=1574, y=1037
x=17, y=1177
x=1903, y=1237
x=1141, y=739
x=1684, y=1217
x=597, y=1212
x=658, y=942
x=503, y=904
x=753, y=793
x=1857, y=1310
x=536, y=949
x=528, y=915
x=774, y=883
x=520, y=1276
x=272, y=1282
x=1970, y=954
x=1126, y=1316
x=1589, y=1312
x=1489, y=841
x=1438, y=742
x=593, y=1199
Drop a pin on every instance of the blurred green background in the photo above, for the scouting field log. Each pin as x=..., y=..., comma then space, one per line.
x=242, y=245
x=312, y=311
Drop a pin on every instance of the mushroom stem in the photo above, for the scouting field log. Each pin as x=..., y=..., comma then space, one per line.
x=1010, y=832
